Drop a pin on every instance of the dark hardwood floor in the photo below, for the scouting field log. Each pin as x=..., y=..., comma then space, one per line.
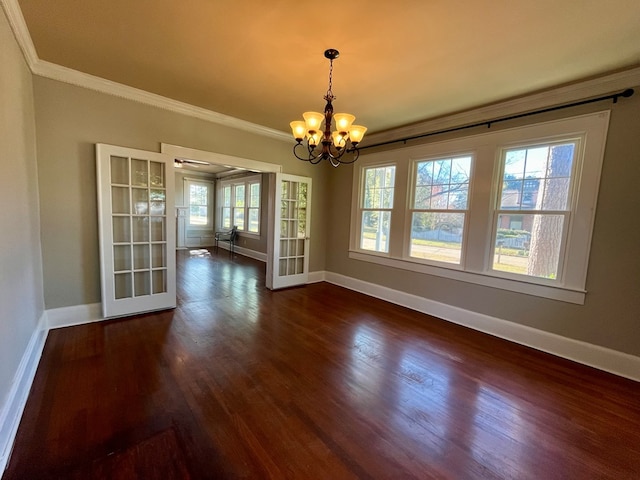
x=315, y=382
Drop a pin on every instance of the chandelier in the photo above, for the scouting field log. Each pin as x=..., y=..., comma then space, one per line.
x=322, y=143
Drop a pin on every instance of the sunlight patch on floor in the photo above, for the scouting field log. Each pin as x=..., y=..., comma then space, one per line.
x=201, y=252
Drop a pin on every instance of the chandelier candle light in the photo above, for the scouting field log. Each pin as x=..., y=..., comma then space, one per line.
x=323, y=144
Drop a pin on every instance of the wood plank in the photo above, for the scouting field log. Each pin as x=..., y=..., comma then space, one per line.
x=313, y=382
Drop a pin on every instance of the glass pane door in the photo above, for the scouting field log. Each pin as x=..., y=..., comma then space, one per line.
x=136, y=231
x=291, y=239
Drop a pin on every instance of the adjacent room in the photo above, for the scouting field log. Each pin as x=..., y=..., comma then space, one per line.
x=385, y=240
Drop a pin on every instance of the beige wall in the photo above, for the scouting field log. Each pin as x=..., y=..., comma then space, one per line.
x=21, y=297
x=69, y=121
x=611, y=314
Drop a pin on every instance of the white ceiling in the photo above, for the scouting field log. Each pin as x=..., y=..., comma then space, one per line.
x=401, y=62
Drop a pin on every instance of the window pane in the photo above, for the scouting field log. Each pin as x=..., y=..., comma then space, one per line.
x=378, y=188
x=238, y=218
x=197, y=215
x=458, y=196
x=529, y=244
x=460, y=170
x=556, y=194
x=226, y=196
x=375, y=231
x=198, y=194
x=437, y=236
x=226, y=217
x=422, y=198
x=425, y=173
x=254, y=199
x=537, y=178
x=450, y=179
x=239, y=196
x=254, y=220
x=514, y=164
x=439, y=197
x=441, y=172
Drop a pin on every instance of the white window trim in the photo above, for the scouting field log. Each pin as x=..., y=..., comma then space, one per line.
x=211, y=184
x=246, y=181
x=410, y=210
x=477, y=257
x=360, y=207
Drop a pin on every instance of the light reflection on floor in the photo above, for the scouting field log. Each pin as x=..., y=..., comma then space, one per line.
x=200, y=252
x=366, y=372
x=423, y=408
x=499, y=415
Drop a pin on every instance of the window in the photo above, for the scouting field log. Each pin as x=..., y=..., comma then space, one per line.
x=377, y=202
x=240, y=204
x=534, y=208
x=440, y=198
x=226, y=207
x=510, y=209
x=254, y=208
x=199, y=199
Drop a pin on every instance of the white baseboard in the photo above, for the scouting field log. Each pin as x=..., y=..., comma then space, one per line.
x=602, y=358
x=315, y=277
x=75, y=315
x=251, y=253
x=11, y=411
x=262, y=257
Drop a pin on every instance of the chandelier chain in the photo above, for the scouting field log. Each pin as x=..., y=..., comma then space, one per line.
x=330, y=91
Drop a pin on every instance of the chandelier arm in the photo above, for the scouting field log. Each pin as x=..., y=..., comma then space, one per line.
x=356, y=155
x=313, y=159
x=338, y=153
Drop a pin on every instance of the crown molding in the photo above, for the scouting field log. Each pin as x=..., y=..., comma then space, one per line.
x=74, y=77
x=68, y=75
x=20, y=31
x=556, y=96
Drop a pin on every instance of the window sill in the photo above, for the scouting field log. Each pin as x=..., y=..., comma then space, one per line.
x=562, y=294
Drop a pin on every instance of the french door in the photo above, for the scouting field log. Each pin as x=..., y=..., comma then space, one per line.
x=289, y=238
x=136, y=229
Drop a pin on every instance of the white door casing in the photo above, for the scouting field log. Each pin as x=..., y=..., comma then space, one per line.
x=137, y=233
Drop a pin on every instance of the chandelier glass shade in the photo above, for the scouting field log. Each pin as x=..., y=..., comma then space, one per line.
x=338, y=146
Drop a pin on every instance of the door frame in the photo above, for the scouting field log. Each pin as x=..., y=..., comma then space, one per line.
x=257, y=166
x=177, y=151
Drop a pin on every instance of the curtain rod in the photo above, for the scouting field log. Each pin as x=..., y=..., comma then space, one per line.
x=614, y=96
